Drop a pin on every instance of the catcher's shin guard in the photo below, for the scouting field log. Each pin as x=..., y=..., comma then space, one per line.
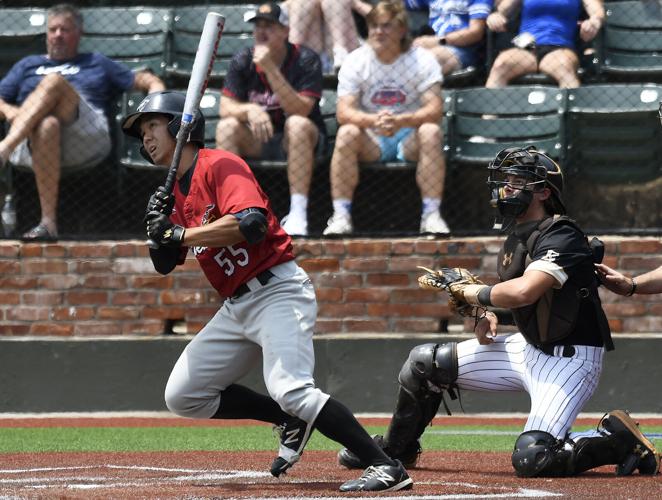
x=539, y=454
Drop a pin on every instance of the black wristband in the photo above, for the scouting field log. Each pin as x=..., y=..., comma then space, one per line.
x=484, y=296
x=442, y=40
x=633, y=288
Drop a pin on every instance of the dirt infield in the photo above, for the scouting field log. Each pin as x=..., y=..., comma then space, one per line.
x=192, y=475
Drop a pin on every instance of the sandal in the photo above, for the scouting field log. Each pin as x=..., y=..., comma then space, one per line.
x=39, y=233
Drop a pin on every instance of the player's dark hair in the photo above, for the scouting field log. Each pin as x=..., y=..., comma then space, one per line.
x=396, y=10
x=67, y=9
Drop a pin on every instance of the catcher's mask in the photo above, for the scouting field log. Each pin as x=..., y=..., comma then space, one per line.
x=167, y=103
x=526, y=170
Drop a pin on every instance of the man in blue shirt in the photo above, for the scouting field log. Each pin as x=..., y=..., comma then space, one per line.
x=459, y=31
x=56, y=104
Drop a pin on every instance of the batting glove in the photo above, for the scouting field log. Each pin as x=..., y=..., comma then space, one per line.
x=161, y=201
x=162, y=230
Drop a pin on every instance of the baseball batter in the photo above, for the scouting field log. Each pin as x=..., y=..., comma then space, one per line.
x=269, y=311
x=548, y=283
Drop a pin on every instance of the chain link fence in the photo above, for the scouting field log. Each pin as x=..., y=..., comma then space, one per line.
x=395, y=135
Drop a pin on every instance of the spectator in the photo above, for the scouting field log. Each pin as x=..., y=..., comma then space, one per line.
x=56, y=105
x=546, y=41
x=458, y=31
x=270, y=107
x=389, y=107
x=311, y=20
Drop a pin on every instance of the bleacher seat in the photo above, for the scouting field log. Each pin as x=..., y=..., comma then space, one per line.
x=613, y=132
x=135, y=36
x=484, y=121
x=22, y=33
x=187, y=27
x=631, y=44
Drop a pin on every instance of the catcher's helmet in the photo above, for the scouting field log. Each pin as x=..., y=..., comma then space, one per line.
x=168, y=103
x=534, y=166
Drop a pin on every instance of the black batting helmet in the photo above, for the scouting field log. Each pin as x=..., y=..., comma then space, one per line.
x=537, y=168
x=167, y=103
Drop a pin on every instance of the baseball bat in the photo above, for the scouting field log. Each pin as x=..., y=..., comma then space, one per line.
x=202, y=66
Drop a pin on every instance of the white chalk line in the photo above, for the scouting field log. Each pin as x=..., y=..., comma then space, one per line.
x=195, y=475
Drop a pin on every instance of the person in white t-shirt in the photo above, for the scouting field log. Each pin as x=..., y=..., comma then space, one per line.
x=389, y=109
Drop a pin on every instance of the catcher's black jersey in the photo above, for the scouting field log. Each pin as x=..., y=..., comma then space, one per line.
x=561, y=251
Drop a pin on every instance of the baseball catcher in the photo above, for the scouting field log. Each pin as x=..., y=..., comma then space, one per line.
x=548, y=283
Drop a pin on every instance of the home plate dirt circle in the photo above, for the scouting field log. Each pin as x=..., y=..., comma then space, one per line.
x=193, y=475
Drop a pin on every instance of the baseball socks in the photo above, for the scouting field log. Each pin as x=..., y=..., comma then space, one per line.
x=239, y=402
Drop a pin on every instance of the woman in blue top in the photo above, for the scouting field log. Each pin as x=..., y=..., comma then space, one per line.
x=548, y=31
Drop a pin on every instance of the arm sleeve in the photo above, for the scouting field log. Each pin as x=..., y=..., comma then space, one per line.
x=480, y=9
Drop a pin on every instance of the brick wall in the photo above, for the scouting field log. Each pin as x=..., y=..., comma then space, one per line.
x=110, y=288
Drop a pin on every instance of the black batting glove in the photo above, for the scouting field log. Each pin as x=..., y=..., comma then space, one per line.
x=162, y=230
x=161, y=201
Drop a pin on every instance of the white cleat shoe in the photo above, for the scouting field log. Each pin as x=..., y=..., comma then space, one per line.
x=295, y=224
x=339, y=224
x=434, y=223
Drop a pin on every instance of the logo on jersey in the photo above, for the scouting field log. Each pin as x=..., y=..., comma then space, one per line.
x=63, y=69
x=207, y=218
x=507, y=259
x=550, y=256
x=388, y=97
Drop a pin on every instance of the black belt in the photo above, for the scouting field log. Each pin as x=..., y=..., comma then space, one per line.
x=568, y=350
x=263, y=278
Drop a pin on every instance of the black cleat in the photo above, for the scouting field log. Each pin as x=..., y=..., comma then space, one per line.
x=644, y=456
x=409, y=458
x=380, y=478
x=294, y=435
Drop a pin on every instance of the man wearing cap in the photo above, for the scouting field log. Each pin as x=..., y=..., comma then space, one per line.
x=269, y=108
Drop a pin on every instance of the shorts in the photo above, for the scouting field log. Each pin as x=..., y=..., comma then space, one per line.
x=466, y=56
x=85, y=142
x=392, y=148
x=273, y=149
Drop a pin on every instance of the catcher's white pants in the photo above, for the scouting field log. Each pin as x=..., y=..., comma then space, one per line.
x=559, y=387
x=274, y=323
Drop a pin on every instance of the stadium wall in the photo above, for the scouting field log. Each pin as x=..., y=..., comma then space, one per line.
x=82, y=289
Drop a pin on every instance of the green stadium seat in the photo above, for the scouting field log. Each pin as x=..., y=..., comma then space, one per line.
x=613, y=132
x=135, y=36
x=484, y=121
x=187, y=27
x=22, y=33
x=631, y=43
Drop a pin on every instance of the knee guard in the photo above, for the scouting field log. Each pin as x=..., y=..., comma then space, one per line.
x=539, y=454
x=429, y=369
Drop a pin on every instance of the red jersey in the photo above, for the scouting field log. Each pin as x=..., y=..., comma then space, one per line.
x=222, y=184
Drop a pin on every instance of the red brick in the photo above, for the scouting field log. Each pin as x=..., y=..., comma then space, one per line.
x=402, y=248
x=625, y=309
x=359, y=325
x=202, y=314
x=616, y=325
x=54, y=251
x=143, y=327
x=388, y=279
x=14, y=329
x=93, y=266
x=328, y=294
x=41, y=298
x=341, y=310
x=98, y=250
x=155, y=281
x=10, y=298
x=426, y=247
x=132, y=266
x=56, y=329
x=366, y=295
x=9, y=250
x=134, y=297
x=71, y=313
x=332, y=247
x=9, y=267
x=365, y=265
x=342, y=280
x=31, y=250
x=59, y=281
x=325, y=325
x=368, y=247
x=119, y=313
x=415, y=310
x=196, y=281
x=640, y=264
x=414, y=325
x=645, y=324
x=105, y=282
x=125, y=250
x=75, y=297
x=97, y=328
x=473, y=264
x=181, y=297
x=409, y=295
x=645, y=246
x=319, y=265
x=308, y=248
x=28, y=313
x=163, y=312
x=45, y=267
x=410, y=264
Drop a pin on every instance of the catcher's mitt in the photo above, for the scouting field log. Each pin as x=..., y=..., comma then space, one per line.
x=455, y=281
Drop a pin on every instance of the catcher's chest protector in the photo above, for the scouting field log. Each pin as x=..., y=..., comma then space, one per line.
x=553, y=317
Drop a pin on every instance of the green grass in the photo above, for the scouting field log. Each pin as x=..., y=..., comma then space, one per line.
x=244, y=438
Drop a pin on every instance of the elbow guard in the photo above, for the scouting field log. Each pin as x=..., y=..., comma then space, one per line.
x=252, y=225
